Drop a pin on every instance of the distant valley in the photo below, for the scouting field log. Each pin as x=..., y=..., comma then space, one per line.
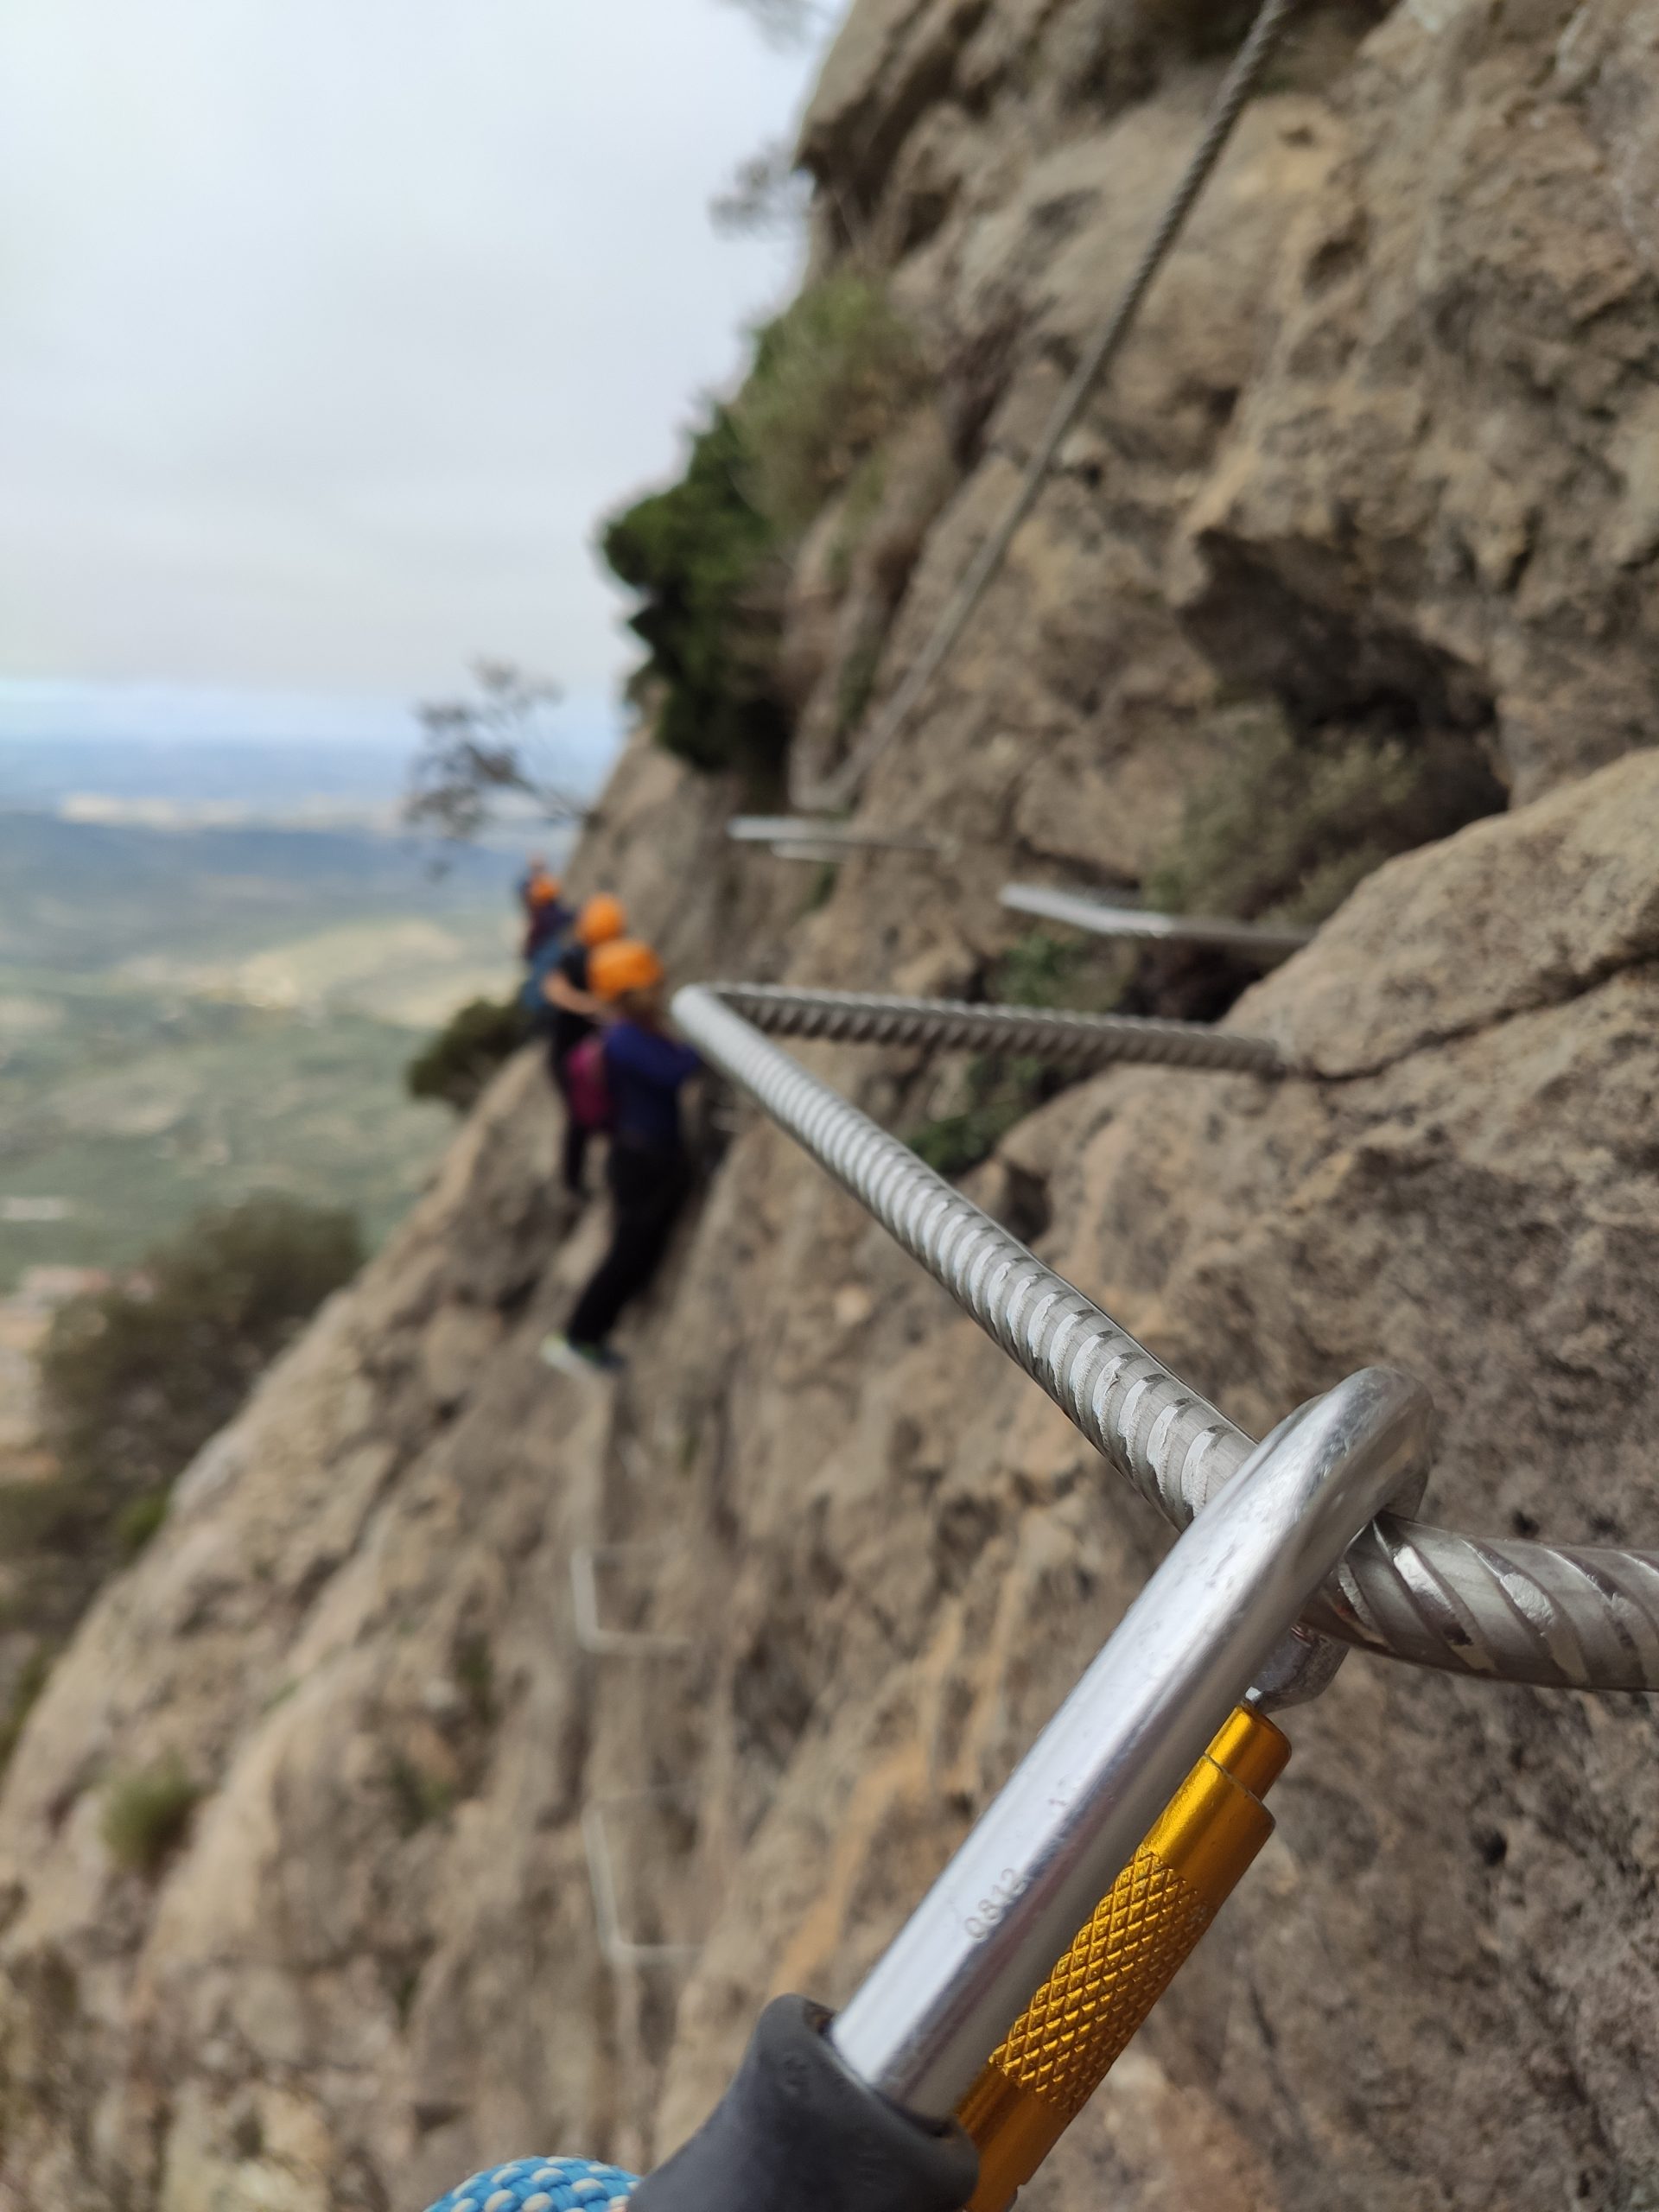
x=189, y=1015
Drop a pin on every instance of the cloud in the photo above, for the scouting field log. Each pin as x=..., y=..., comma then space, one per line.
x=328, y=331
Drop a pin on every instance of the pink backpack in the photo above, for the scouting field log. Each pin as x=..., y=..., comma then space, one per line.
x=586, y=1092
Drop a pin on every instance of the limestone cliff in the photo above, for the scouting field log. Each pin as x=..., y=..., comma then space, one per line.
x=1384, y=455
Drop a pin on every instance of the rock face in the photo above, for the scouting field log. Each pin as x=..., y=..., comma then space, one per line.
x=1384, y=448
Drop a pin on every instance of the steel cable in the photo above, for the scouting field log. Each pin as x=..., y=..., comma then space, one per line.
x=1558, y=1617
x=838, y=789
x=1078, y=1041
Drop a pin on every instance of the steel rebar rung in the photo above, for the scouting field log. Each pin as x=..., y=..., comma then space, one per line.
x=1510, y=1610
x=796, y=829
x=1073, y=1040
x=1078, y=911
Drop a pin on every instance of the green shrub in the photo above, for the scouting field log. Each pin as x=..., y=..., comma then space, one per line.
x=708, y=555
x=418, y=1796
x=1287, y=826
x=459, y=1063
x=25, y=1696
x=831, y=378
x=139, y=1520
x=146, y=1815
x=702, y=558
x=1036, y=971
x=1000, y=1094
x=136, y=1378
x=1080, y=975
x=476, y=1677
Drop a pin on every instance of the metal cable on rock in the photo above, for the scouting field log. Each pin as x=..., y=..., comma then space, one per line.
x=838, y=789
x=1555, y=1616
x=1080, y=1041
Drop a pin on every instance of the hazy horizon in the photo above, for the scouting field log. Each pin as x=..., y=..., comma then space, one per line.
x=43, y=723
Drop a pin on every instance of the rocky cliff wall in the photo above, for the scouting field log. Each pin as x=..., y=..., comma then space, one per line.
x=1380, y=457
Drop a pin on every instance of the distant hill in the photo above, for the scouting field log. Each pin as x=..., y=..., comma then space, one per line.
x=81, y=895
x=41, y=774
x=189, y=1016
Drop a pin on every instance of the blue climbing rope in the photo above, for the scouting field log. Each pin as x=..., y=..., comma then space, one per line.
x=543, y=2185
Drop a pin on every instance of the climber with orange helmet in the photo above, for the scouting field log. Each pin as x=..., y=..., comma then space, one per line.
x=644, y=1070
x=547, y=924
x=546, y=916
x=576, y=1015
x=536, y=873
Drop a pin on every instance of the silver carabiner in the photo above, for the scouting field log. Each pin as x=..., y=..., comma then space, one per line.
x=1067, y=1825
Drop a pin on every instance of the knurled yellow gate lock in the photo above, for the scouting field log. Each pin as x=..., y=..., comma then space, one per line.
x=1122, y=1959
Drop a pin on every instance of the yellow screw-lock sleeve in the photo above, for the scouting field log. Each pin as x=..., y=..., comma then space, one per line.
x=1077, y=2026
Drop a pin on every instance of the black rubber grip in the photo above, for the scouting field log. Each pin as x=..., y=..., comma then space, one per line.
x=796, y=2133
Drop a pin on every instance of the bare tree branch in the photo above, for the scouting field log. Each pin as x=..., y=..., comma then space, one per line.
x=767, y=195
x=479, y=751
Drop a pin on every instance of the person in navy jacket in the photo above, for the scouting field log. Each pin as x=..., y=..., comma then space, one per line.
x=648, y=1172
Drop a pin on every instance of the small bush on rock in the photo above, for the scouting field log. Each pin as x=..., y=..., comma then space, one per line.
x=1082, y=976
x=458, y=1064
x=1288, y=825
x=137, y=1523
x=1036, y=971
x=137, y=1377
x=1000, y=1094
x=147, y=1814
x=418, y=1796
x=25, y=1696
x=832, y=377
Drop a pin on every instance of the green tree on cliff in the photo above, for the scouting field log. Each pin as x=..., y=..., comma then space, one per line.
x=137, y=1377
x=709, y=556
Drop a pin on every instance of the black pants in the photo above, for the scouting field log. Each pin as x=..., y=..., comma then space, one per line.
x=574, y=1153
x=648, y=1188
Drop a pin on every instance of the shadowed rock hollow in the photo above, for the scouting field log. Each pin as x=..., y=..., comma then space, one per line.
x=1383, y=457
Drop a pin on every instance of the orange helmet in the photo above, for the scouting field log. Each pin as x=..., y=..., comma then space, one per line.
x=543, y=890
x=623, y=964
x=602, y=918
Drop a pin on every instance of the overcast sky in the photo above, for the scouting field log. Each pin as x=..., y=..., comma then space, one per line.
x=328, y=328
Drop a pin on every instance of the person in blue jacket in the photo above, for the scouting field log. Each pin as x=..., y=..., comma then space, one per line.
x=546, y=916
x=648, y=1173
